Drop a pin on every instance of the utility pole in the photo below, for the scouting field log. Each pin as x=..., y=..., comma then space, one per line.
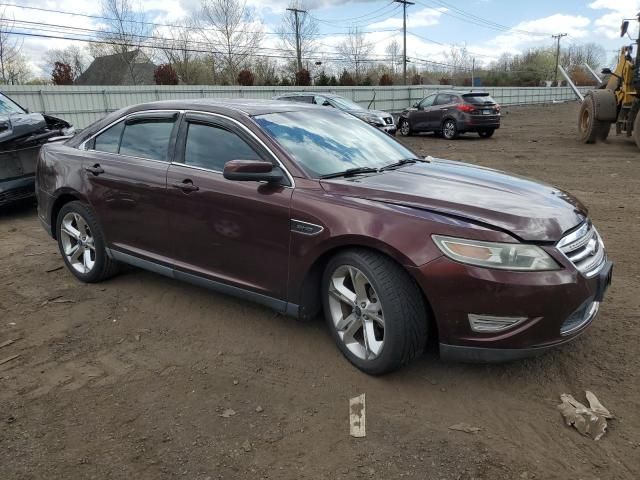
x=297, y=11
x=473, y=73
x=558, y=37
x=404, y=29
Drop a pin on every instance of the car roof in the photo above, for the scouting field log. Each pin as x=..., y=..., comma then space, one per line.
x=300, y=94
x=461, y=92
x=250, y=107
x=239, y=109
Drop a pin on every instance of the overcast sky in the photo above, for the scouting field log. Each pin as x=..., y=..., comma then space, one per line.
x=435, y=23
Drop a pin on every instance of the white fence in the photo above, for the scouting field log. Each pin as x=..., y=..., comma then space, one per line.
x=81, y=105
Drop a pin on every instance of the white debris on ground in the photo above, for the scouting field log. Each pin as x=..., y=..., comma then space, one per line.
x=591, y=421
x=357, y=413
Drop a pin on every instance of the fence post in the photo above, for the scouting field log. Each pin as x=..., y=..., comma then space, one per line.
x=42, y=103
x=105, y=101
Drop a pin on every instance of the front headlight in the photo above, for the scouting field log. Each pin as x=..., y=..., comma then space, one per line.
x=504, y=256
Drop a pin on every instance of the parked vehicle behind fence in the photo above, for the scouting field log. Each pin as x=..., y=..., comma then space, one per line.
x=452, y=113
x=310, y=210
x=379, y=119
x=21, y=136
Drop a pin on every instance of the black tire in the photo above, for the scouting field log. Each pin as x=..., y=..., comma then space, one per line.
x=405, y=313
x=486, y=133
x=103, y=266
x=450, y=129
x=591, y=130
x=404, y=127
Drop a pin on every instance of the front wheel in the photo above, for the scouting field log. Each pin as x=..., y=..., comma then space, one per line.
x=82, y=243
x=590, y=129
x=450, y=130
x=405, y=128
x=486, y=133
x=375, y=311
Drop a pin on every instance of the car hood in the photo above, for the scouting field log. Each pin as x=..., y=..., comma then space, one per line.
x=21, y=129
x=359, y=113
x=528, y=210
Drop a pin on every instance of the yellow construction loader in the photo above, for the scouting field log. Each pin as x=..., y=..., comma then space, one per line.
x=616, y=101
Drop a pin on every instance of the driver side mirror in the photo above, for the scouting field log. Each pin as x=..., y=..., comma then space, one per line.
x=624, y=28
x=251, y=171
x=326, y=103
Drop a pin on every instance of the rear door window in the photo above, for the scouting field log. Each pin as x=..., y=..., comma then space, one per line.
x=147, y=139
x=211, y=146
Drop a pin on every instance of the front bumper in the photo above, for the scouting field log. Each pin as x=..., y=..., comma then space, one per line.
x=556, y=307
x=390, y=129
x=16, y=189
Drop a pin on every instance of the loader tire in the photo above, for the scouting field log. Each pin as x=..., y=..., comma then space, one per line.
x=590, y=129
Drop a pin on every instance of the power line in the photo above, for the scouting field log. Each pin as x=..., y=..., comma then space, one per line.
x=193, y=50
x=359, y=17
x=386, y=15
x=167, y=25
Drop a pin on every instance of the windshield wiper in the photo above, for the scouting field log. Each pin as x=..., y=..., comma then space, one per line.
x=404, y=161
x=351, y=171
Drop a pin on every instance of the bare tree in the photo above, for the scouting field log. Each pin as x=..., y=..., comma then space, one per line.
x=231, y=27
x=459, y=61
x=298, y=32
x=125, y=33
x=73, y=55
x=177, y=47
x=355, y=49
x=394, y=53
x=10, y=47
x=576, y=55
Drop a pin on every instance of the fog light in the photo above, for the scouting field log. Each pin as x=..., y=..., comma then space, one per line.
x=489, y=323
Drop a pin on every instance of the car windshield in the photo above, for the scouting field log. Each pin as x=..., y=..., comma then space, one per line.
x=325, y=142
x=345, y=104
x=9, y=106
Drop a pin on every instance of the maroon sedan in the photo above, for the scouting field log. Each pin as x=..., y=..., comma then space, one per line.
x=307, y=210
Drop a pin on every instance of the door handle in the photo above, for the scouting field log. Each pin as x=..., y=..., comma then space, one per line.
x=96, y=169
x=186, y=186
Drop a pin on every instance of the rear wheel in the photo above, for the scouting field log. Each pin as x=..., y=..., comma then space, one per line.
x=374, y=310
x=590, y=129
x=486, y=133
x=405, y=128
x=82, y=243
x=450, y=130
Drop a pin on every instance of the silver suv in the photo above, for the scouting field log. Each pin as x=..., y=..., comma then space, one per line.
x=382, y=120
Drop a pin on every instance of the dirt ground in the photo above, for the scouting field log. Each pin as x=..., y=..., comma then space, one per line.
x=134, y=378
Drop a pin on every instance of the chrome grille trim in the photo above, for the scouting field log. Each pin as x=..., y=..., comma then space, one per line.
x=584, y=248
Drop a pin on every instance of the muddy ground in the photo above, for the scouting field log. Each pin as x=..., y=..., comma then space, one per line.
x=129, y=378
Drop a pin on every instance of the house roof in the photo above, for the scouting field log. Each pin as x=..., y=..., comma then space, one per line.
x=130, y=68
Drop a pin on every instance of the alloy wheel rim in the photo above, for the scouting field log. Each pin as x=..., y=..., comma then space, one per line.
x=405, y=128
x=356, y=312
x=78, y=243
x=449, y=129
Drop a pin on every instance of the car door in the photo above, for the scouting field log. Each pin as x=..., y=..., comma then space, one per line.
x=229, y=231
x=126, y=175
x=419, y=117
x=442, y=105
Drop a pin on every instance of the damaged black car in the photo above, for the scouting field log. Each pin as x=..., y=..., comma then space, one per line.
x=21, y=136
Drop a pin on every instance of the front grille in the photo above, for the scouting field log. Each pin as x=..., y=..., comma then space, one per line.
x=388, y=120
x=584, y=248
